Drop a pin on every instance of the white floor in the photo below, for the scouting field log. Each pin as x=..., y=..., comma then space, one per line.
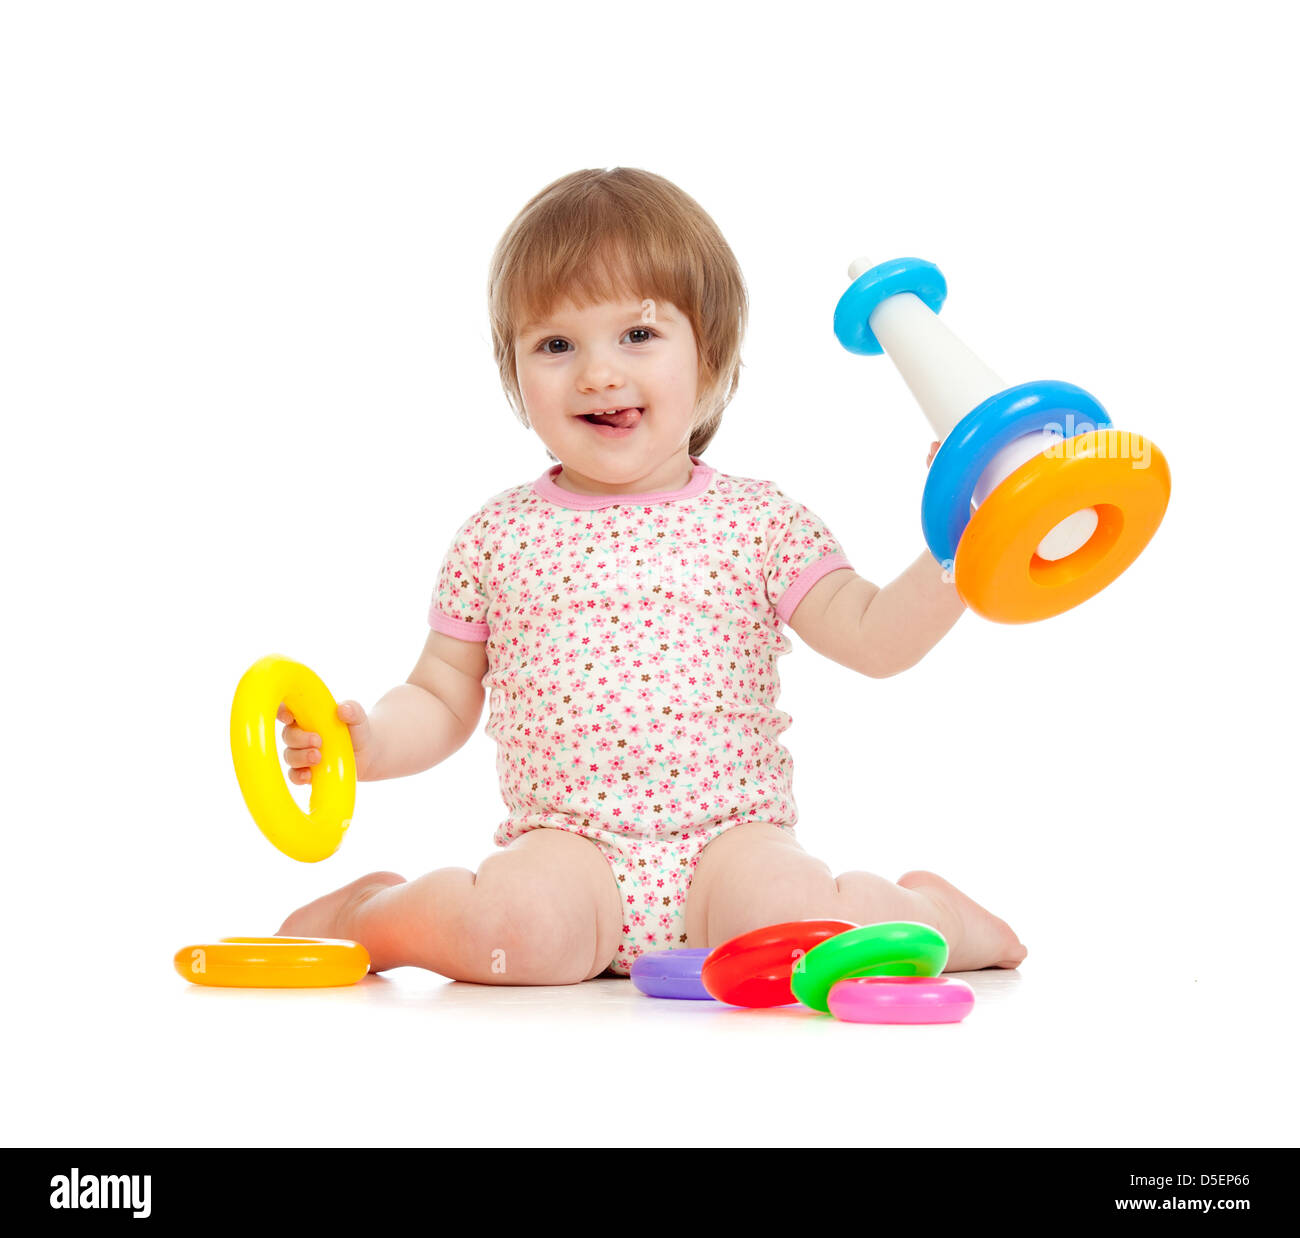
x=1050, y=1056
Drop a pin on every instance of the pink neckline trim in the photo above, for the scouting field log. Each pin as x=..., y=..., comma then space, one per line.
x=701, y=476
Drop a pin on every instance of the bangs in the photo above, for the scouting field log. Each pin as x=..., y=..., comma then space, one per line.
x=588, y=269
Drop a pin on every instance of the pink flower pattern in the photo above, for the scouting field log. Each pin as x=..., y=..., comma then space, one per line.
x=632, y=681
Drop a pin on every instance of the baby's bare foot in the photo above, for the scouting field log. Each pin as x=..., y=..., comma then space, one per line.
x=976, y=938
x=330, y=915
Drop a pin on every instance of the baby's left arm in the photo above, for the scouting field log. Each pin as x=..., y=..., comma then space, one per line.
x=879, y=632
x=875, y=631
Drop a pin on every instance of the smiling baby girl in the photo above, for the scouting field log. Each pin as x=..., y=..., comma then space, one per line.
x=622, y=615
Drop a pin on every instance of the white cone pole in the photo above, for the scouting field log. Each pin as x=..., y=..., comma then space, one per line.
x=948, y=381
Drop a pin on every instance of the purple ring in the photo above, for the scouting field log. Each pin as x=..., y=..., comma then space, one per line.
x=671, y=973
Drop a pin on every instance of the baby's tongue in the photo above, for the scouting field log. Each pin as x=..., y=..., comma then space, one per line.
x=623, y=418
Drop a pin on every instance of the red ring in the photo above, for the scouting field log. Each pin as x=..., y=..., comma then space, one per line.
x=754, y=968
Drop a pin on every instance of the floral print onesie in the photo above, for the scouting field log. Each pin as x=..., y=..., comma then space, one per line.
x=632, y=642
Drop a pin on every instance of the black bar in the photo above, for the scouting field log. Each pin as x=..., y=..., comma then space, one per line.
x=1045, y=1186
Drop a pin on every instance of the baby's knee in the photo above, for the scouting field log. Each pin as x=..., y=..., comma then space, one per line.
x=810, y=893
x=807, y=891
x=509, y=937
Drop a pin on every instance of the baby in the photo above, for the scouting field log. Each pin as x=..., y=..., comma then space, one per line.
x=624, y=613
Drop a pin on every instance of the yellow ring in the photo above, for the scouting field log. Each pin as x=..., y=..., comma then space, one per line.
x=273, y=963
x=304, y=836
x=998, y=572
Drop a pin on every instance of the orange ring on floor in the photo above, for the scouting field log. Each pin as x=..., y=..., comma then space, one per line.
x=998, y=572
x=274, y=962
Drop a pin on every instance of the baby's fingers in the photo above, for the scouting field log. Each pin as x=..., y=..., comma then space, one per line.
x=301, y=758
x=300, y=776
x=296, y=737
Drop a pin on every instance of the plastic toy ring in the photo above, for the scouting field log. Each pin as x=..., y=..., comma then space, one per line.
x=898, y=948
x=901, y=999
x=998, y=571
x=754, y=968
x=304, y=836
x=671, y=973
x=274, y=963
x=922, y=279
x=979, y=436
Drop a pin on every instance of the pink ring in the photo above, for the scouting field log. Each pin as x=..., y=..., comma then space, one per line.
x=901, y=999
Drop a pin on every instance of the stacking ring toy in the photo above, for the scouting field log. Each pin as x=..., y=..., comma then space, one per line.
x=898, y=948
x=274, y=963
x=304, y=836
x=754, y=968
x=1065, y=503
x=901, y=999
x=671, y=973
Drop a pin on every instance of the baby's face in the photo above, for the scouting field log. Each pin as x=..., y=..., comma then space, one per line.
x=634, y=354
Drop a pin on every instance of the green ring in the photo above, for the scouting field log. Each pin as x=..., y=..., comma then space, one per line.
x=899, y=948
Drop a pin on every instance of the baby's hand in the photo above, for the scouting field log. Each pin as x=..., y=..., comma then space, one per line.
x=303, y=747
x=934, y=451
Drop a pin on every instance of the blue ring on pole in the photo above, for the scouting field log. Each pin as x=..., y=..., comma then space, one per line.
x=914, y=275
x=980, y=435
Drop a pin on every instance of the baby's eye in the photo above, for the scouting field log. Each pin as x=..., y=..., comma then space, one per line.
x=545, y=345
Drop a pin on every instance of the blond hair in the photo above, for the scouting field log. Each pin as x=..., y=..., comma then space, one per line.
x=606, y=234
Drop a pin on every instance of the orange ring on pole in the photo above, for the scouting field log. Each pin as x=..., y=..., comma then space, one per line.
x=273, y=962
x=998, y=571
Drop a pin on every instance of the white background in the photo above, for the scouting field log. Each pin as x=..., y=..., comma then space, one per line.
x=248, y=395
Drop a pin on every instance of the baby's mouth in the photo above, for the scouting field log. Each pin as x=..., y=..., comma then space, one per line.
x=622, y=418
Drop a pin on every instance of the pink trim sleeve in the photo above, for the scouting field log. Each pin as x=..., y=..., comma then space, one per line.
x=459, y=628
x=805, y=581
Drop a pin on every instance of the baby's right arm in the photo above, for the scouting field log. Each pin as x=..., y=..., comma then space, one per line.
x=413, y=727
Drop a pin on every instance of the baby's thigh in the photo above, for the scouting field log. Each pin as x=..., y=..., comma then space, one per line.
x=553, y=908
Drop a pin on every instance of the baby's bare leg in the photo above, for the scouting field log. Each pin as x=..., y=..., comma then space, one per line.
x=763, y=876
x=544, y=910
